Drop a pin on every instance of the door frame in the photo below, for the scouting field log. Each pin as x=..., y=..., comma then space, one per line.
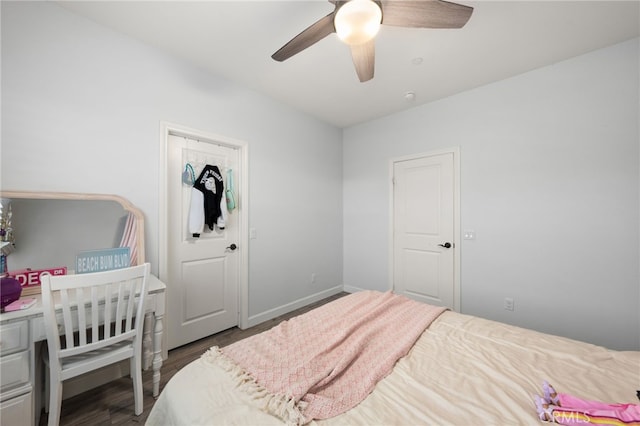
x=167, y=129
x=456, y=216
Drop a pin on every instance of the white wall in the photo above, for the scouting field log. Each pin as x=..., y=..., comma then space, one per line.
x=81, y=112
x=550, y=177
x=549, y=182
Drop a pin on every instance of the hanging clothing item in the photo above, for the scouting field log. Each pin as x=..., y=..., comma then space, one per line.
x=189, y=175
x=196, y=213
x=231, y=201
x=206, y=198
x=222, y=219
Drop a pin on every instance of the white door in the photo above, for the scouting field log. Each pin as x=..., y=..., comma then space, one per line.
x=202, y=284
x=423, y=229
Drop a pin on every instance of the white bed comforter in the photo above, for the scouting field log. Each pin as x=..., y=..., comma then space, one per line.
x=463, y=370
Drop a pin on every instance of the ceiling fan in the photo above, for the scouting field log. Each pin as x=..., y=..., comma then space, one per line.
x=357, y=22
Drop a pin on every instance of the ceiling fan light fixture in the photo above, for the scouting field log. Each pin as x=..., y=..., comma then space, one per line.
x=358, y=21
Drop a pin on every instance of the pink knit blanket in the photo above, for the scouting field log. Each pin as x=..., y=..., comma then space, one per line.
x=322, y=363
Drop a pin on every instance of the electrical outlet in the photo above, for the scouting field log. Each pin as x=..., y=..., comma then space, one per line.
x=313, y=278
x=508, y=303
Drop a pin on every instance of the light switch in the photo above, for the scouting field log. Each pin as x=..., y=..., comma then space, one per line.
x=469, y=234
x=253, y=233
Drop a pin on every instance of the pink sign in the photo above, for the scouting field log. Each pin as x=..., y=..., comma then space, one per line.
x=29, y=278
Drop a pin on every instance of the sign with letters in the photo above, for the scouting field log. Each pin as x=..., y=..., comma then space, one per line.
x=29, y=279
x=102, y=260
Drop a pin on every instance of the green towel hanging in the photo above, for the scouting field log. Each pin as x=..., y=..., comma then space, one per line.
x=231, y=201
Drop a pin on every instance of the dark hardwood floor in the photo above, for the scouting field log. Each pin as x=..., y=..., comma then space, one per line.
x=112, y=404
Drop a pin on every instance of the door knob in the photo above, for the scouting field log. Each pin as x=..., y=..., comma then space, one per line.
x=445, y=245
x=232, y=247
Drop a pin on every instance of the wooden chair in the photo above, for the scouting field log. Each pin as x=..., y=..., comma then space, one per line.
x=106, y=331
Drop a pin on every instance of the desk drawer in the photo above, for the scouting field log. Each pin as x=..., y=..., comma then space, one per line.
x=14, y=370
x=17, y=411
x=14, y=337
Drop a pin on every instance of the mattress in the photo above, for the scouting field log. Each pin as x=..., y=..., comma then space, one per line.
x=462, y=370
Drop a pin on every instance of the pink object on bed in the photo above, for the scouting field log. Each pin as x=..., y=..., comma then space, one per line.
x=323, y=363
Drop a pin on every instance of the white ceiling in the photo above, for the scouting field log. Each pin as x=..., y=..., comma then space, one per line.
x=235, y=39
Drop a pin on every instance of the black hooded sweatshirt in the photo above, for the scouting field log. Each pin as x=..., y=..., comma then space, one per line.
x=211, y=185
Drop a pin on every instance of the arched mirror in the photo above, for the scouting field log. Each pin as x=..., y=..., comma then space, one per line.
x=47, y=230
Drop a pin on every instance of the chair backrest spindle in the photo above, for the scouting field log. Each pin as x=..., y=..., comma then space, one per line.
x=119, y=312
x=82, y=321
x=108, y=295
x=95, y=311
x=67, y=324
x=130, y=305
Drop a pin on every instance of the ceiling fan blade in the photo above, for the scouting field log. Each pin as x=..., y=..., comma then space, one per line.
x=306, y=38
x=364, y=56
x=425, y=14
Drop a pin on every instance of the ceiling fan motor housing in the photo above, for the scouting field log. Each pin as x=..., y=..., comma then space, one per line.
x=358, y=21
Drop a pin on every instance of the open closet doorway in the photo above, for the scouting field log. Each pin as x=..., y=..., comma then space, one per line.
x=206, y=272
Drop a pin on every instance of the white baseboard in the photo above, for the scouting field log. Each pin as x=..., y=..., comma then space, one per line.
x=352, y=289
x=300, y=303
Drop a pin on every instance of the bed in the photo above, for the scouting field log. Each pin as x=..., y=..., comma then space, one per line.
x=459, y=370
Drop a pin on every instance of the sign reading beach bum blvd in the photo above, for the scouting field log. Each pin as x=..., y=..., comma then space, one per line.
x=102, y=260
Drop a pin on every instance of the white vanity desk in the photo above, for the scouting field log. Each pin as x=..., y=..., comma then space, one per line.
x=22, y=333
x=21, y=330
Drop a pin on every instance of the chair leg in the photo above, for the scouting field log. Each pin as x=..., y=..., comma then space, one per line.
x=136, y=376
x=47, y=376
x=47, y=392
x=55, y=403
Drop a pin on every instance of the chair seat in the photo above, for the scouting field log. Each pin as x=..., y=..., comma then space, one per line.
x=79, y=364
